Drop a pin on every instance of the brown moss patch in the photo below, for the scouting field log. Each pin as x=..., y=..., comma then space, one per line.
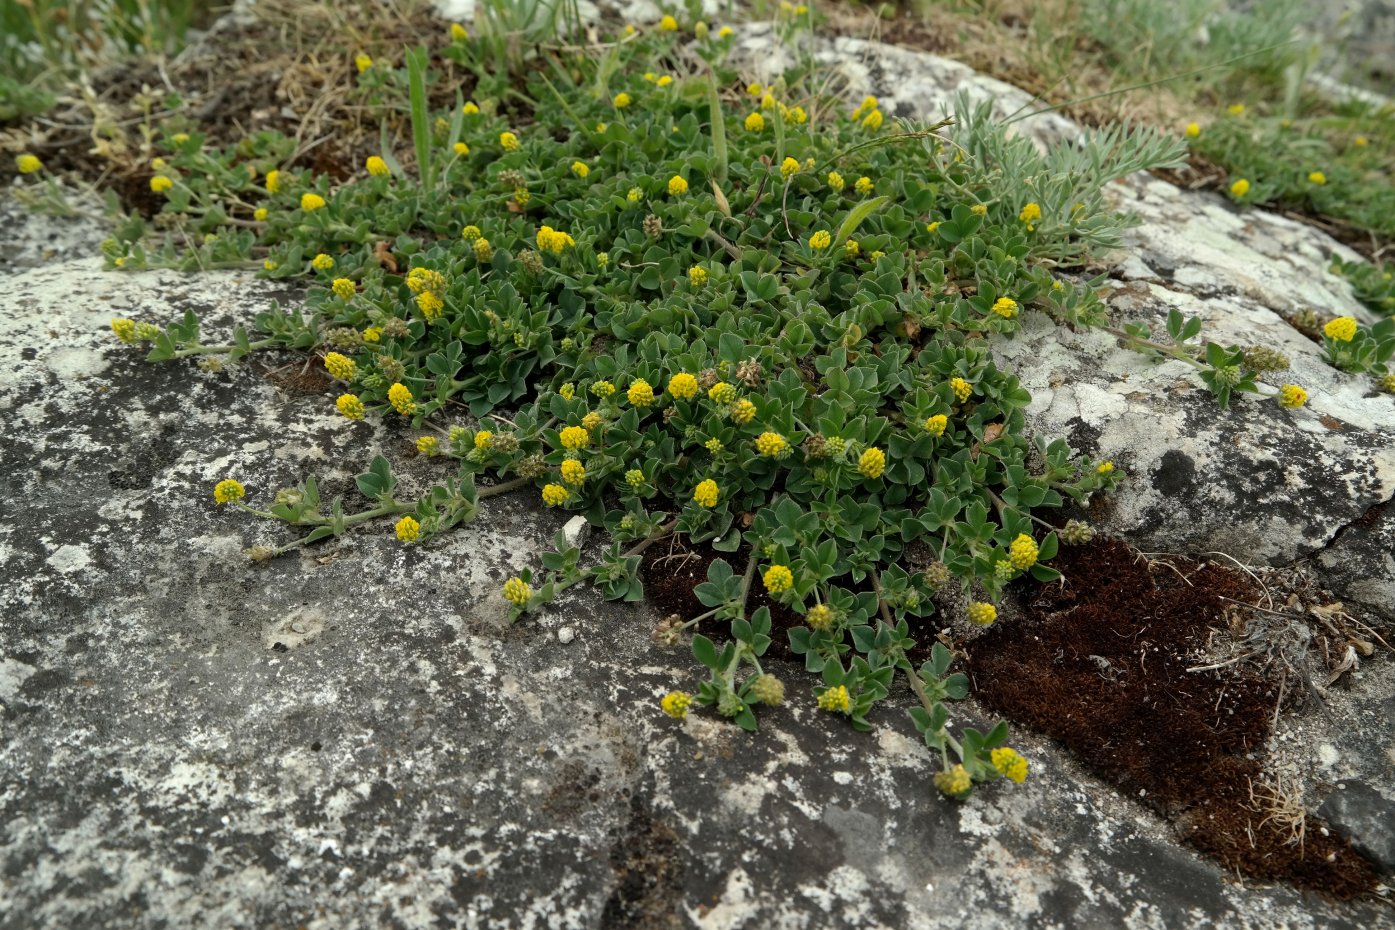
x=1100, y=662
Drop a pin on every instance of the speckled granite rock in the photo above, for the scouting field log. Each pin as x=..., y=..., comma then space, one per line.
x=354, y=738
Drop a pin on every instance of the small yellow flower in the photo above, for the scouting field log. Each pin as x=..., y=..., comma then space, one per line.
x=1023, y=552
x=676, y=704
x=864, y=186
x=340, y=366
x=721, y=393
x=273, y=181
x=458, y=33
x=1193, y=130
x=1005, y=307
x=770, y=444
x=872, y=120
x=508, y=142
x=1318, y=178
x=1030, y=216
x=955, y=783
x=835, y=181
x=668, y=24
x=1342, y=329
x=788, y=167
x=517, y=591
x=602, y=259
x=483, y=440
x=377, y=167
x=706, y=493
x=461, y=149
x=1360, y=140
x=634, y=195
x=634, y=478
x=724, y=33
x=821, y=240
x=697, y=276
x=936, y=425
x=1236, y=109
x=372, y=334
x=819, y=617
x=1009, y=763
x=1240, y=188
x=743, y=411
x=755, y=122
x=682, y=386
x=483, y=250
x=603, y=389
x=575, y=437
x=124, y=329
x=343, y=288
x=470, y=233
x=573, y=472
x=408, y=529
x=1105, y=468
x=713, y=445
x=430, y=304
x=270, y=265
x=580, y=169
x=872, y=463
x=931, y=227
x=622, y=100
x=796, y=115
x=159, y=184
x=311, y=202
x=591, y=422
x=350, y=406
x=554, y=495
x=428, y=445
x=568, y=390
x=228, y=490
x=664, y=80
x=835, y=699
x=362, y=62
x=1291, y=396
x=400, y=396
x=28, y=164
x=260, y=214
x=677, y=186
x=852, y=249
x=979, y=209
x=981, y=613
x=640, y=393
x=778, y=579
x=962, y=389
x=322, y=262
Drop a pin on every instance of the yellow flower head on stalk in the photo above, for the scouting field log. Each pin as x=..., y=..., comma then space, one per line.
x=778, y=579
x=1342, y=329
x=517, y=591
x=683, y=386
x=1030, y=216
x=1193, y=130
x=340, y=366
x=789, y=167
x=377, y=167
x=350, y=406
x=872, y=120
x=664, y=80
x=622, y=100
x=936, y=425
x=796, y=115
x=755, y=122
x=428, y=445
x=343, y=288
x=634, y=478
x=771, y=444
x=981, y=613
x=955, y=783
x=979, y=209
x=852, y=249
x=836, y=182
x=554, y=495
x=408, y=529
x=1010, y=763
x=1005, y=307
x=1105, y=468
x=872, y=463
x=676, y=704
x=430, y=304
x=668, y=24
x=28, y=164
x=697, y=276
x=1240, y=188
x=470, y=233
x=580, y=169
x=159, y=184
x=483, y=440
x=836, y=699
x=372, y=334
x=721, y=393
x=743, y=412
x=725, y=32
x=400, y=396
x=260, y=214
x=483, y=250
x=713, y=445
x=1318, y=178
x=311, y=202
x=603, y=389
x=508, y=142
x=706, y=493
x=864, y=186
x=640, y=393
x=228, y=490
x=574, y=437
x=819, y=617
x=820, y=240
x=124, y=329
x=573, y=472
x=1023, y=552
x=458, y=33
x=1292, y=396
x=460, y=148
x=273, y=181
x=322, y=262
x=470, y=108
x=362, y=62
x=677, y=186
x=962, y=389
x=1236, y=109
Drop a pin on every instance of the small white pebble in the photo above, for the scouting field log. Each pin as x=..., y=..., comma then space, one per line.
x=566, y=635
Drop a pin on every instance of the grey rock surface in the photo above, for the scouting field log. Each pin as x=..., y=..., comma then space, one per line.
x=1367, y=818
x=353, y=737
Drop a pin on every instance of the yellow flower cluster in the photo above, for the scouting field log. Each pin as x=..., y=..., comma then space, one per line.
x=1005, y=307
x=343, y=288
x=428, y=445
x=28, y=164
x=864, y=186
x=1030, y=216
x=408, y=529
x=640, y=393
x=1342, y=329
x=962, y=389
x=554, y=240
x=322, y=262
x=159, y=184
x=981, y=613
x=311, y=202
x=936, y=425
x=1292, y=396
x=706, y=493
x=872, y=463
x=377, y=167
x=789, y=167
x=483, y=440
x=574, y=437
x=677, y=186
x=350, y=406
x=1240, y=188
x=580, y=169
x=273, y=181
x=743, y=412
x=573, y=472
x=771, y=444
x=755, y=122
x=431, y=305
x=554, y=495
x=697, y=276
x=954, y=783
x=517, y=591
x=340, y=366
x=1023, y=552
x=819, y=617
x=228, y=490
x=835, y=181
x=820, y=240
x=622, y=100
x=778, y=579
x=682, y=386
x=470, y=233
x=400, y=396
x=676, y=704
x=836, y=699
x=508, y=142
x=1010, y=763
x=124, y=329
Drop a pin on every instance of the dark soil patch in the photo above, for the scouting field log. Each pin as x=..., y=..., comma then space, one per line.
x=1099, y=662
